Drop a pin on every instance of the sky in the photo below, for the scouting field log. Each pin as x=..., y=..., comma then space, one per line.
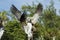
x=6, y=4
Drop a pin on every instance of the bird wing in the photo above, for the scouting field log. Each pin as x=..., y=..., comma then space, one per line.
x=16, y=12
x=36, y=16
x=39, y=8
x=23, y=17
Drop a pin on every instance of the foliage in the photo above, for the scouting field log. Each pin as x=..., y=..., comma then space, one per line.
x=48, y=25
x=13, y=31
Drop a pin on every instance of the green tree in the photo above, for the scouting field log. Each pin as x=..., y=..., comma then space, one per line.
x=47, y=27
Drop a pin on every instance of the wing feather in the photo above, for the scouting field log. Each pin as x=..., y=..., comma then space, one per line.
x=15, y=11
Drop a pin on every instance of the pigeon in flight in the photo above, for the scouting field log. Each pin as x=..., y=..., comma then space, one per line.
x=27, y=22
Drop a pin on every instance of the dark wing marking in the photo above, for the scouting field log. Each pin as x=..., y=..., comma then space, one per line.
x=15, y=11
x=23, y=17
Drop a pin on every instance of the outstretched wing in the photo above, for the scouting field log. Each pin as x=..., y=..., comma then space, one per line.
x=36, y=16
x=16, y=12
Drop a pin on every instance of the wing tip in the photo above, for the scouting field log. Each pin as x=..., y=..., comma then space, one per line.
x=39, y=7
x=14, y=9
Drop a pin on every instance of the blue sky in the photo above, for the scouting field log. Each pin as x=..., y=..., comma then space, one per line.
x=6, y=4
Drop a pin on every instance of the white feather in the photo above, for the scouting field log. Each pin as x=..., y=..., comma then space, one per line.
x=1, y=32
x=33, y=19
x=28, y=29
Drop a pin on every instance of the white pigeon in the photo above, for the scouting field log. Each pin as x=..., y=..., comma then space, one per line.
x=27, y=21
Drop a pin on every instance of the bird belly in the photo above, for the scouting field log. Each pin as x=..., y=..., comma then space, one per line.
x=28, y=29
